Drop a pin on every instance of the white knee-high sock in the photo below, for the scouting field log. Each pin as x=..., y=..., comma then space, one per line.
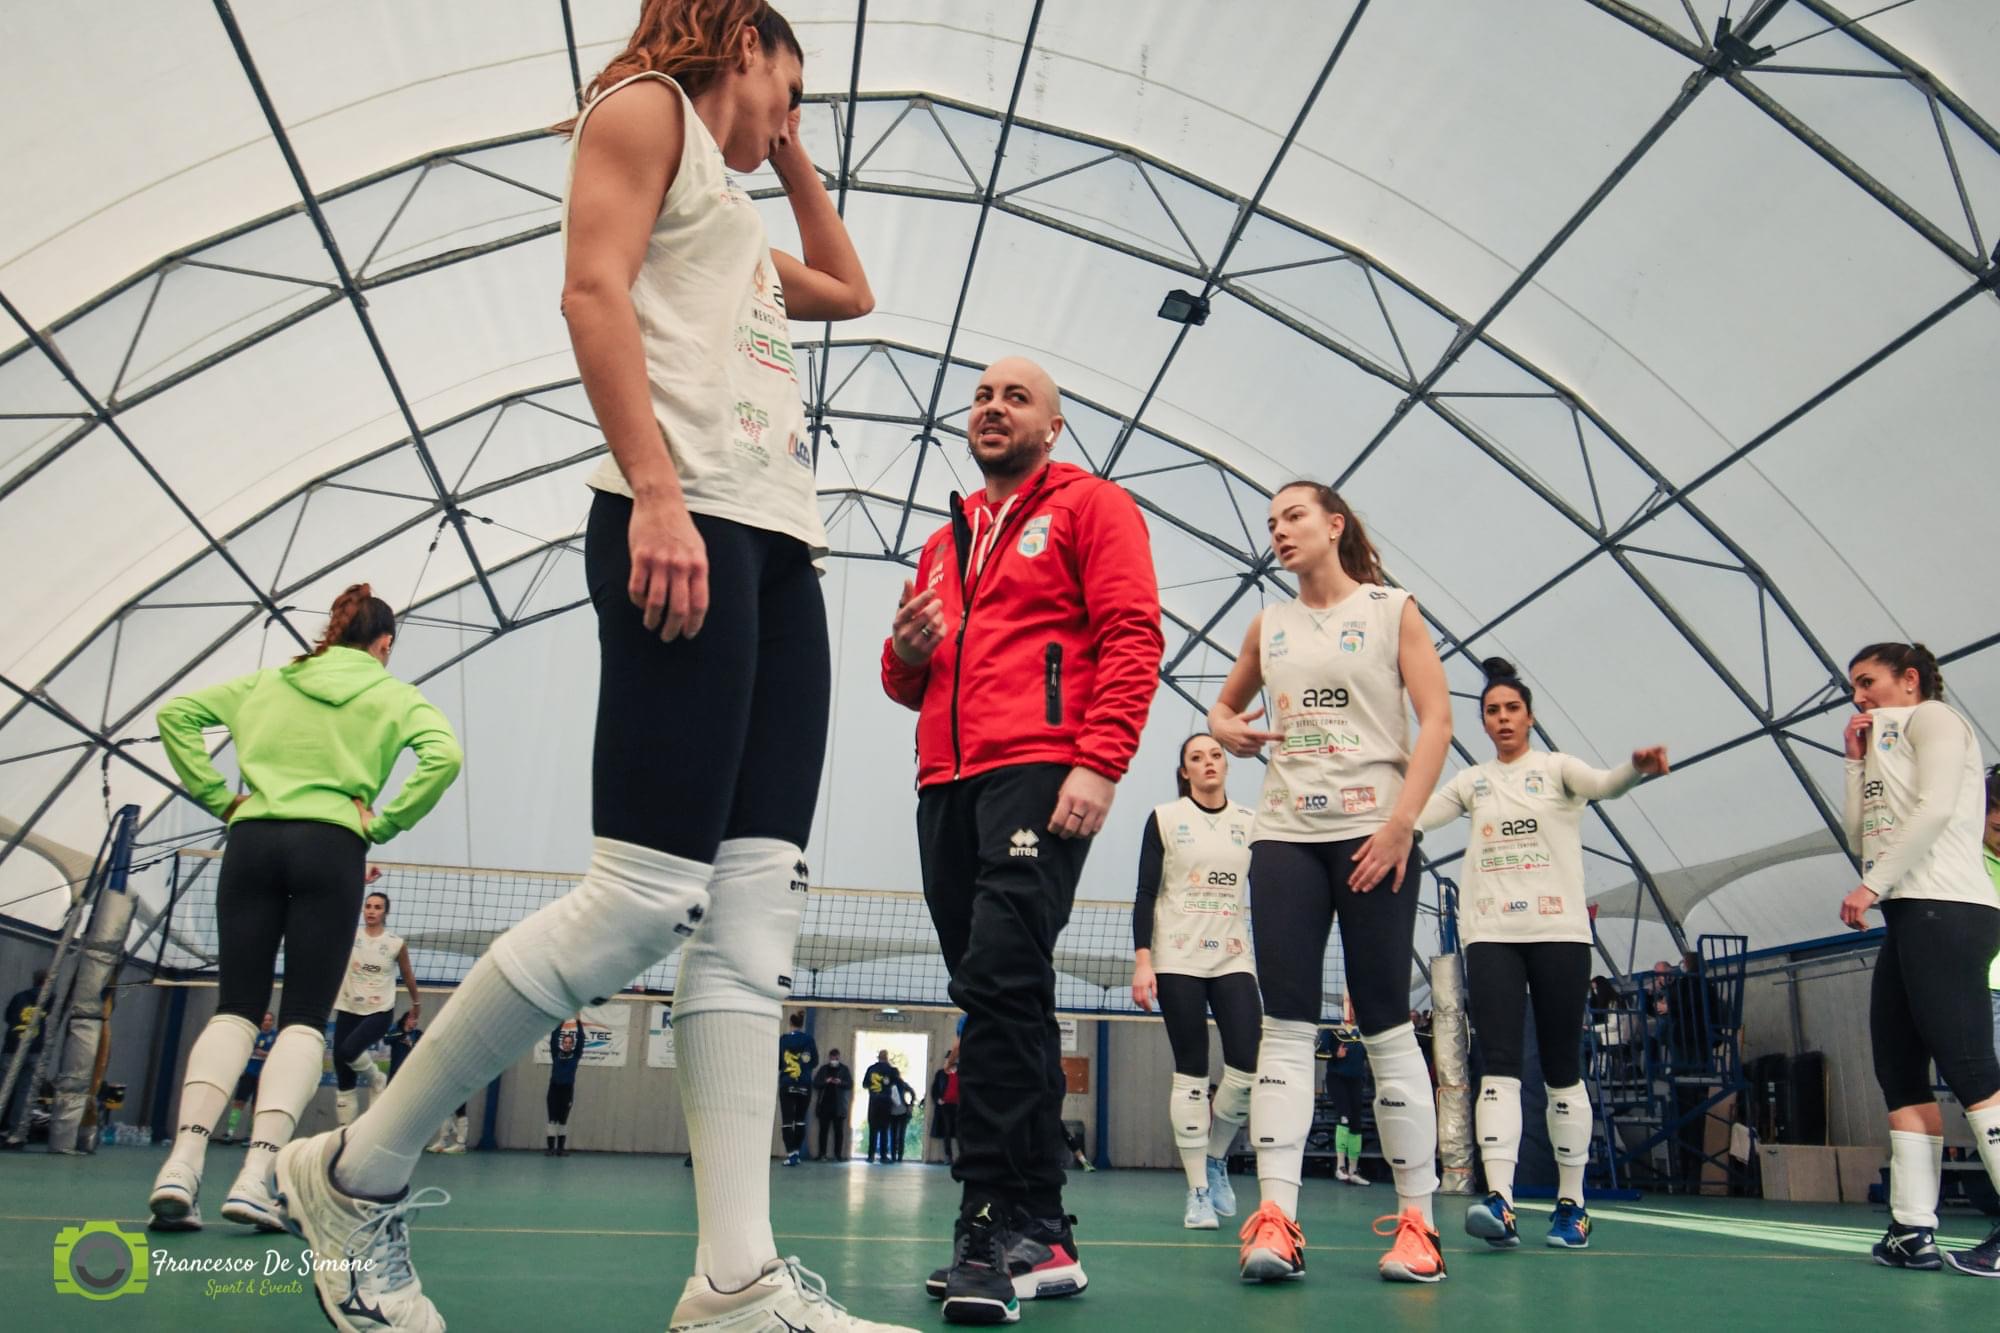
x=1986, y=1133
x=214, y=1065
x=1281, y=1109
x=1229, y=1109
x=1405, y=1116
x=291, y=1077
x=1916, y=1163
x=1496, y=1121
x=484, y=1028
x=1187, y=1111
x=346, y=1103
x=1569, y=1122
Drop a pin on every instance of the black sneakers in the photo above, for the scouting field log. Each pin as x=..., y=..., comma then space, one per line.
x=977, y=1287
x=1982, y=1260
x=1909, y=1247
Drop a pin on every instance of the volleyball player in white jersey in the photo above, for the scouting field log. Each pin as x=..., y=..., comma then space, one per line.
x=367, y=1000
x=1527, y=938
x=1335, y=840
x=1916, y=811
x=714, y=671
x=1191, y=957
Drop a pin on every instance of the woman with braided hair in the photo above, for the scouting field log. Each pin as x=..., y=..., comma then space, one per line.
x=315, y=741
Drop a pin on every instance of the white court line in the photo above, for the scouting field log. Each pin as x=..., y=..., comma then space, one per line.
x=1808, y=1235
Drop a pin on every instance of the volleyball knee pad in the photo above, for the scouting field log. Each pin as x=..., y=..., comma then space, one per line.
x=1405, y=1116
x=740, y=961
x=1569, y=1124
x=1187, y=1105
x=1281, y=1104
x=1232, y=1095
x=221, y=1051
x=1496, y=1119
x=291, y=1072
x=634, y=907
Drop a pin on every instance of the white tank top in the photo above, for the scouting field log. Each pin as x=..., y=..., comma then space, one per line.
x=1201, y=919
x=370, y=985
x=1953, y=868
x=1336, y=687
x=718, y=347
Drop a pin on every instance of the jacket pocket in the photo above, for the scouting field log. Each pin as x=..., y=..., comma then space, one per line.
x=1052, y=705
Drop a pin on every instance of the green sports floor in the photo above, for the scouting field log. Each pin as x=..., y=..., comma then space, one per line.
x=603, y=1243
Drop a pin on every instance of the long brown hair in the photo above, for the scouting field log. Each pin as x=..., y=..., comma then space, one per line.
x=1901, y=657
x=1357, y=553
x=358, y=619
x=691, y=42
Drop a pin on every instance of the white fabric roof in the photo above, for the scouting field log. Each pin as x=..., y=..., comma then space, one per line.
x=1664, y=371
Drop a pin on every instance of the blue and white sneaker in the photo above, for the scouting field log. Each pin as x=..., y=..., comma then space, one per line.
x=373, y=1288
x=1982, y=1260
x=1221, y=1194
x=1200, y=1214
x=174, y=1200
x=1492, y=1220
x=1908, y=1247
x=1569, y=1226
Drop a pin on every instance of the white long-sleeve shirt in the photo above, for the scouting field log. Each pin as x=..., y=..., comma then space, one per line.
x=1522, y=879
x=1916, y=806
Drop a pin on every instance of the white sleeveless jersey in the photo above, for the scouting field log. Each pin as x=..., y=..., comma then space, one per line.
x=1521, y=881
x=370, y=984
x=1952, y=869
x=718, y=348
x=1336, y=689
x=1201, y=919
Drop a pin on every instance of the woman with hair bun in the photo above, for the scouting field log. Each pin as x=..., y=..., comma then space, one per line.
x=1915, y=813
x=315, y=742
x=1527, y=938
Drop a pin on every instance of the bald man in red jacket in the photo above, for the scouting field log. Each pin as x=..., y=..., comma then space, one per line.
x=1029, y=643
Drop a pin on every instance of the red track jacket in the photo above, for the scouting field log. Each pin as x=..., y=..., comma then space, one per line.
x=1052, y=632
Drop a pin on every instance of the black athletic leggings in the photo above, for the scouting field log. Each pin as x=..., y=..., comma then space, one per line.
x=1297, y=891
x=562, y=1096
x=1186, y=1001
x=294, y=880
x=1929, y=1002
x=720, y=736
x=1502, y=977
x=353, y=1034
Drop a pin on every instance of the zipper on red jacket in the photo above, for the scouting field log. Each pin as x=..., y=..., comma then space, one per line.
x=966, y=591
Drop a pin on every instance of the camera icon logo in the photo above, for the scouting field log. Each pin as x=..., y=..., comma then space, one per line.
x=100, y=1261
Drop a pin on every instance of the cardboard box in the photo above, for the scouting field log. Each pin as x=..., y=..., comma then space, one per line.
x=1798, y=1173
x=1860, y=1168
x=1715, y=1146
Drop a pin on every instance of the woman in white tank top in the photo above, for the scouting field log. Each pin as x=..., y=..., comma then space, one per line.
x=1915, y=813
x=367, y=1000
x=1343, y=664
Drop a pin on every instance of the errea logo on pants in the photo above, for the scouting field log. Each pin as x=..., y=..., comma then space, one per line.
x=1025, y=843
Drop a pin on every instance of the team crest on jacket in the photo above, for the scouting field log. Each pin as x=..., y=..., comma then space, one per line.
x=1351, y=640
x=1035, y=537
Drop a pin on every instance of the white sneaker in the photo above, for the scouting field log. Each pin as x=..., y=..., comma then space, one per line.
x=376, y=1080
x=1340, y=1173
x=250, y=1203
x=788, y=1296
x=174, y=1201
x=456, y=1148
x=1200, y=1215
x=1221, y=1194
x=345, y=1232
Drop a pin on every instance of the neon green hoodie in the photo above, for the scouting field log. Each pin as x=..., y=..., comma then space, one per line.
x=313, y=737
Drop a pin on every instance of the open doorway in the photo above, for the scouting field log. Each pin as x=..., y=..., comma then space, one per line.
x=910, y=1053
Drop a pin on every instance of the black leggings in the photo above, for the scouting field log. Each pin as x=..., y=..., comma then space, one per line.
x=720, y=736
x=1185, y=1002
x=294, y=880
x=1297, y=891
x=1929, y=1002
x=562, y=1096
x=1502, y=978
x=353, y=1034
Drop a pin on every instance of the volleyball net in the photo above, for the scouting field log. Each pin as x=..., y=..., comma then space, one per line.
x=856, y=946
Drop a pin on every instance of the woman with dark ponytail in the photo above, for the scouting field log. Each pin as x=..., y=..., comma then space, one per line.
x=1345, y=663
x=1191, y=956
x=1916, y=808
x=315, y=742
x=1527, y=938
